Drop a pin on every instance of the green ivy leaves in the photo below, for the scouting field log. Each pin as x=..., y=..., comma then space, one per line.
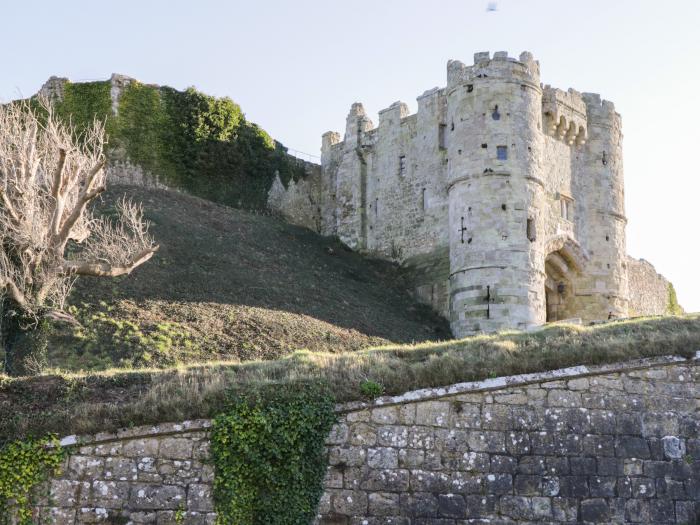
x=23, y=466
x=189, y=140
x=270, y=459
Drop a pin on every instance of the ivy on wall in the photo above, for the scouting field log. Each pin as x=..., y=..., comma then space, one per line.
x=672, y=306
x=269, y=456
x=23, y=466
x=198, y=143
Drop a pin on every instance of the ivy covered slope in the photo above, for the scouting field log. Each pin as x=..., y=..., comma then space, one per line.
x=188, y=140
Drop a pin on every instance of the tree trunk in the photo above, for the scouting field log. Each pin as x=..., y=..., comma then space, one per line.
x=25, y=348
x=11, y=329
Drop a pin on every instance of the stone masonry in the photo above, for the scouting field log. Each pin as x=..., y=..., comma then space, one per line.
x=649, y=291
x=608, y=445
x=506, y=196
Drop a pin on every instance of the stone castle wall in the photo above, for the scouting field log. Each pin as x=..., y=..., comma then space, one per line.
x=648, y=289
x=299, y=203
x=609, y=444
x=517, y=184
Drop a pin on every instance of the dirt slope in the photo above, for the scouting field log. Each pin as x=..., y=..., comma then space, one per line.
x=231, y=284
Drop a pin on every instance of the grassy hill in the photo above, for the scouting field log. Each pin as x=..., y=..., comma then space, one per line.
x=95, y=402
x=228, y=284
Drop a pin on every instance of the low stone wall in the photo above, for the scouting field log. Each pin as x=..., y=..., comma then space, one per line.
x=609, y=444
x=127, y=174
x=648, y=290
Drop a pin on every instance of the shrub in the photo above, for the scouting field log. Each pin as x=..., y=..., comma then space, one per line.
x=371, y=389
x=189, y=140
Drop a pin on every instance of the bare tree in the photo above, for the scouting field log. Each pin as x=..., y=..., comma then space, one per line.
x=49, y=175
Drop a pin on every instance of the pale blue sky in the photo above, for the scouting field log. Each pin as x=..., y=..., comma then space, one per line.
x=295, y=67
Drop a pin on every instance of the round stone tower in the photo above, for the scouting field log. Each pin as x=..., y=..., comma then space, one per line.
x=495, y=192
x=607, y=269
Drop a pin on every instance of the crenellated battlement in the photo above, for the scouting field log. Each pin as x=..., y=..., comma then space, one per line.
x=357, y=122
x=565, y=115
x=393, y=114
x=501, y=67
x=599, y=109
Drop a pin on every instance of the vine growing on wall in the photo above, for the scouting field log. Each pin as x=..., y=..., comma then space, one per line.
x=269, y=455
x=198, y=143
x=672, y=306
x=23, y=466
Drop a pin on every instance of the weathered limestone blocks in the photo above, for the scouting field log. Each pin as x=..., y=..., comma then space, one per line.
x=649, y=290
x=157, y=475
x=610, y=444
x=620, y=447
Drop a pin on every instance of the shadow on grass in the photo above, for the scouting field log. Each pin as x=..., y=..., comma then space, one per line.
x=86, y=403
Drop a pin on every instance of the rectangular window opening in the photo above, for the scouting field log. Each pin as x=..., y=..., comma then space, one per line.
x=402, y=165
x=567, y=208
x=531, y=230
x=442, y=128
x=502, y=152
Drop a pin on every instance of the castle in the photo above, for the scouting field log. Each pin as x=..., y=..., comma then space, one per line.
x=502, y=198
x=505, y=195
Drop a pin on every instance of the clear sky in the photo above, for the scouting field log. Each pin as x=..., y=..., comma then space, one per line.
x=296, y=66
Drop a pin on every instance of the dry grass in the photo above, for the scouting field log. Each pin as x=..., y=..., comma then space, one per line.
x=85, y=403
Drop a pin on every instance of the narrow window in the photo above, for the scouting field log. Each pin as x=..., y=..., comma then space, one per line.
x=441, y=136
x=567, y=208
x=502, y=152
x=496, y=115
x=376, y=207
x=402, y=165
x=531, y=230
x=422, y=197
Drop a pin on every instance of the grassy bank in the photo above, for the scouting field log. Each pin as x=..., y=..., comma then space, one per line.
x=233, y=285
x=85, y=403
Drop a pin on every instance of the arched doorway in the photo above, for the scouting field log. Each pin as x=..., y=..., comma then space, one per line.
x=562, y=267
x=558, y=287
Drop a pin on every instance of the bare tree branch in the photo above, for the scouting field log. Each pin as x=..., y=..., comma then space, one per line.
x=7, y=204
x=86, y=195
x=14, y=291
x=106, y=269
x=49, y=175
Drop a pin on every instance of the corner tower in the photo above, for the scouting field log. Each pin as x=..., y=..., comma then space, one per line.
x=606, y=221
x=495, y=191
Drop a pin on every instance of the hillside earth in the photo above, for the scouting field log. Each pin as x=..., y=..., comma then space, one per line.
x=228, y=284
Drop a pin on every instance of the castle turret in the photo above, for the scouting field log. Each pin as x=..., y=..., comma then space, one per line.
x=494, y=121
x=349, y=181
x=606, y=274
